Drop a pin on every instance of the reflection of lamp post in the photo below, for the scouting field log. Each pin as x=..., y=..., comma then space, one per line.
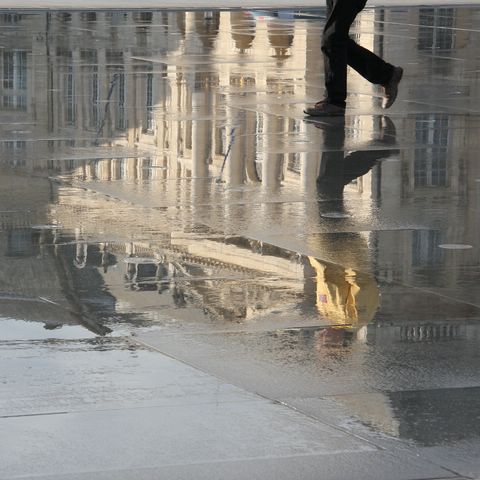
x=81, y=251
x=105, y=255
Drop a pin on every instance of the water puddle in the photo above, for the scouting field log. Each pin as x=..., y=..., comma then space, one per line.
x=167, y=177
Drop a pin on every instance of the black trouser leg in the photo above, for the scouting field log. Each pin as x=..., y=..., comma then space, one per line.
x=339, y=50
x=368, y=65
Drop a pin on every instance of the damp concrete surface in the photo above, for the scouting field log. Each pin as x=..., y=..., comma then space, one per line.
x=198, y=282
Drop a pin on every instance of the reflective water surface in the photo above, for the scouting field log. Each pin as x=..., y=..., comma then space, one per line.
x=158, y=178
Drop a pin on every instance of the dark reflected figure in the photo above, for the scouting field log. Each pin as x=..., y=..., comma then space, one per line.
x=179, y=297
x=338, y=169
x=81, y=251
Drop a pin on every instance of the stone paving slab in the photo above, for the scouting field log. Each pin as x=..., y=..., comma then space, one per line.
x=99, y=375
x=164, y=436
x=104, y=400
x=310, y=362
x=349, y=466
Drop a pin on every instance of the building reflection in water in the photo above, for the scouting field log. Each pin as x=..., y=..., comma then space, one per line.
x=162, y=104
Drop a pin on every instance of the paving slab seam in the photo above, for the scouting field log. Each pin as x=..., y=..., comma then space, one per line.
x=52, y=341
x=400, y=442
x=405, y=390
x=286, y=329
x=140, y=469
x=456, y=477
x=251, y=332
x=463, y=111
x=275, y=401
x=42, y=414
x=129, y=408
x=208, y=462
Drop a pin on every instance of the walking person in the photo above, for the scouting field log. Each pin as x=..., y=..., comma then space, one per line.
x=339, y=50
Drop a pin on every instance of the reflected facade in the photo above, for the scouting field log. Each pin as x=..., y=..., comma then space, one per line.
x=177, y=165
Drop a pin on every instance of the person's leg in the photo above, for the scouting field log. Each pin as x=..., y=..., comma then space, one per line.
x=335, y=45
x=375, y=70
x=339, y=50
x=368, y=65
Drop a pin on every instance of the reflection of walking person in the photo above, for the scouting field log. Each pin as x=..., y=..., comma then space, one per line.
x=338, y=169
x=339, y=50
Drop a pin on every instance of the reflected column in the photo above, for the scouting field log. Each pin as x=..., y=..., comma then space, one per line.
x=201, y=148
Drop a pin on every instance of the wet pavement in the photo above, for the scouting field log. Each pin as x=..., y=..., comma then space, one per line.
x=199, y=282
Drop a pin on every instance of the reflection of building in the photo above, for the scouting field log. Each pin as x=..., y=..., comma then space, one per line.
x=167, y=94
x=37, y=279
x=424, y=417
x=222, y=278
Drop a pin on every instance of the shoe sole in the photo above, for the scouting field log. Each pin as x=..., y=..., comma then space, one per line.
x=323, y=114
x=391, y=101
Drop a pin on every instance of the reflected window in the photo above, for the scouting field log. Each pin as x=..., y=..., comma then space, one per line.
x=15, y=70
x=143, y=17
x=19, y=243
x=15, y=102
x=115, y=18
x=70, y=110
x=11, y=18
x=114, y=57
x=150, y=120
x=14, y=152
x=430, y=166
x=121, y=123
x=425, y=249
x=90, y=59
x=259, y=147
x=95, y=98
x=146, y=168
x=70, y=164
x=88, y=16
x=436, y=29
x=294, y=162
x=123, y=168
x=219, y=141
x=141, y=36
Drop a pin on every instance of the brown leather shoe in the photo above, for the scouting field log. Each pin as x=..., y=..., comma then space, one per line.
x=325, y=109
x=391, y=88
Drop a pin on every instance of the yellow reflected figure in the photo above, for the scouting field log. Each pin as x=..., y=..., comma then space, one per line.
x=344, y=296
x=346, y=293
